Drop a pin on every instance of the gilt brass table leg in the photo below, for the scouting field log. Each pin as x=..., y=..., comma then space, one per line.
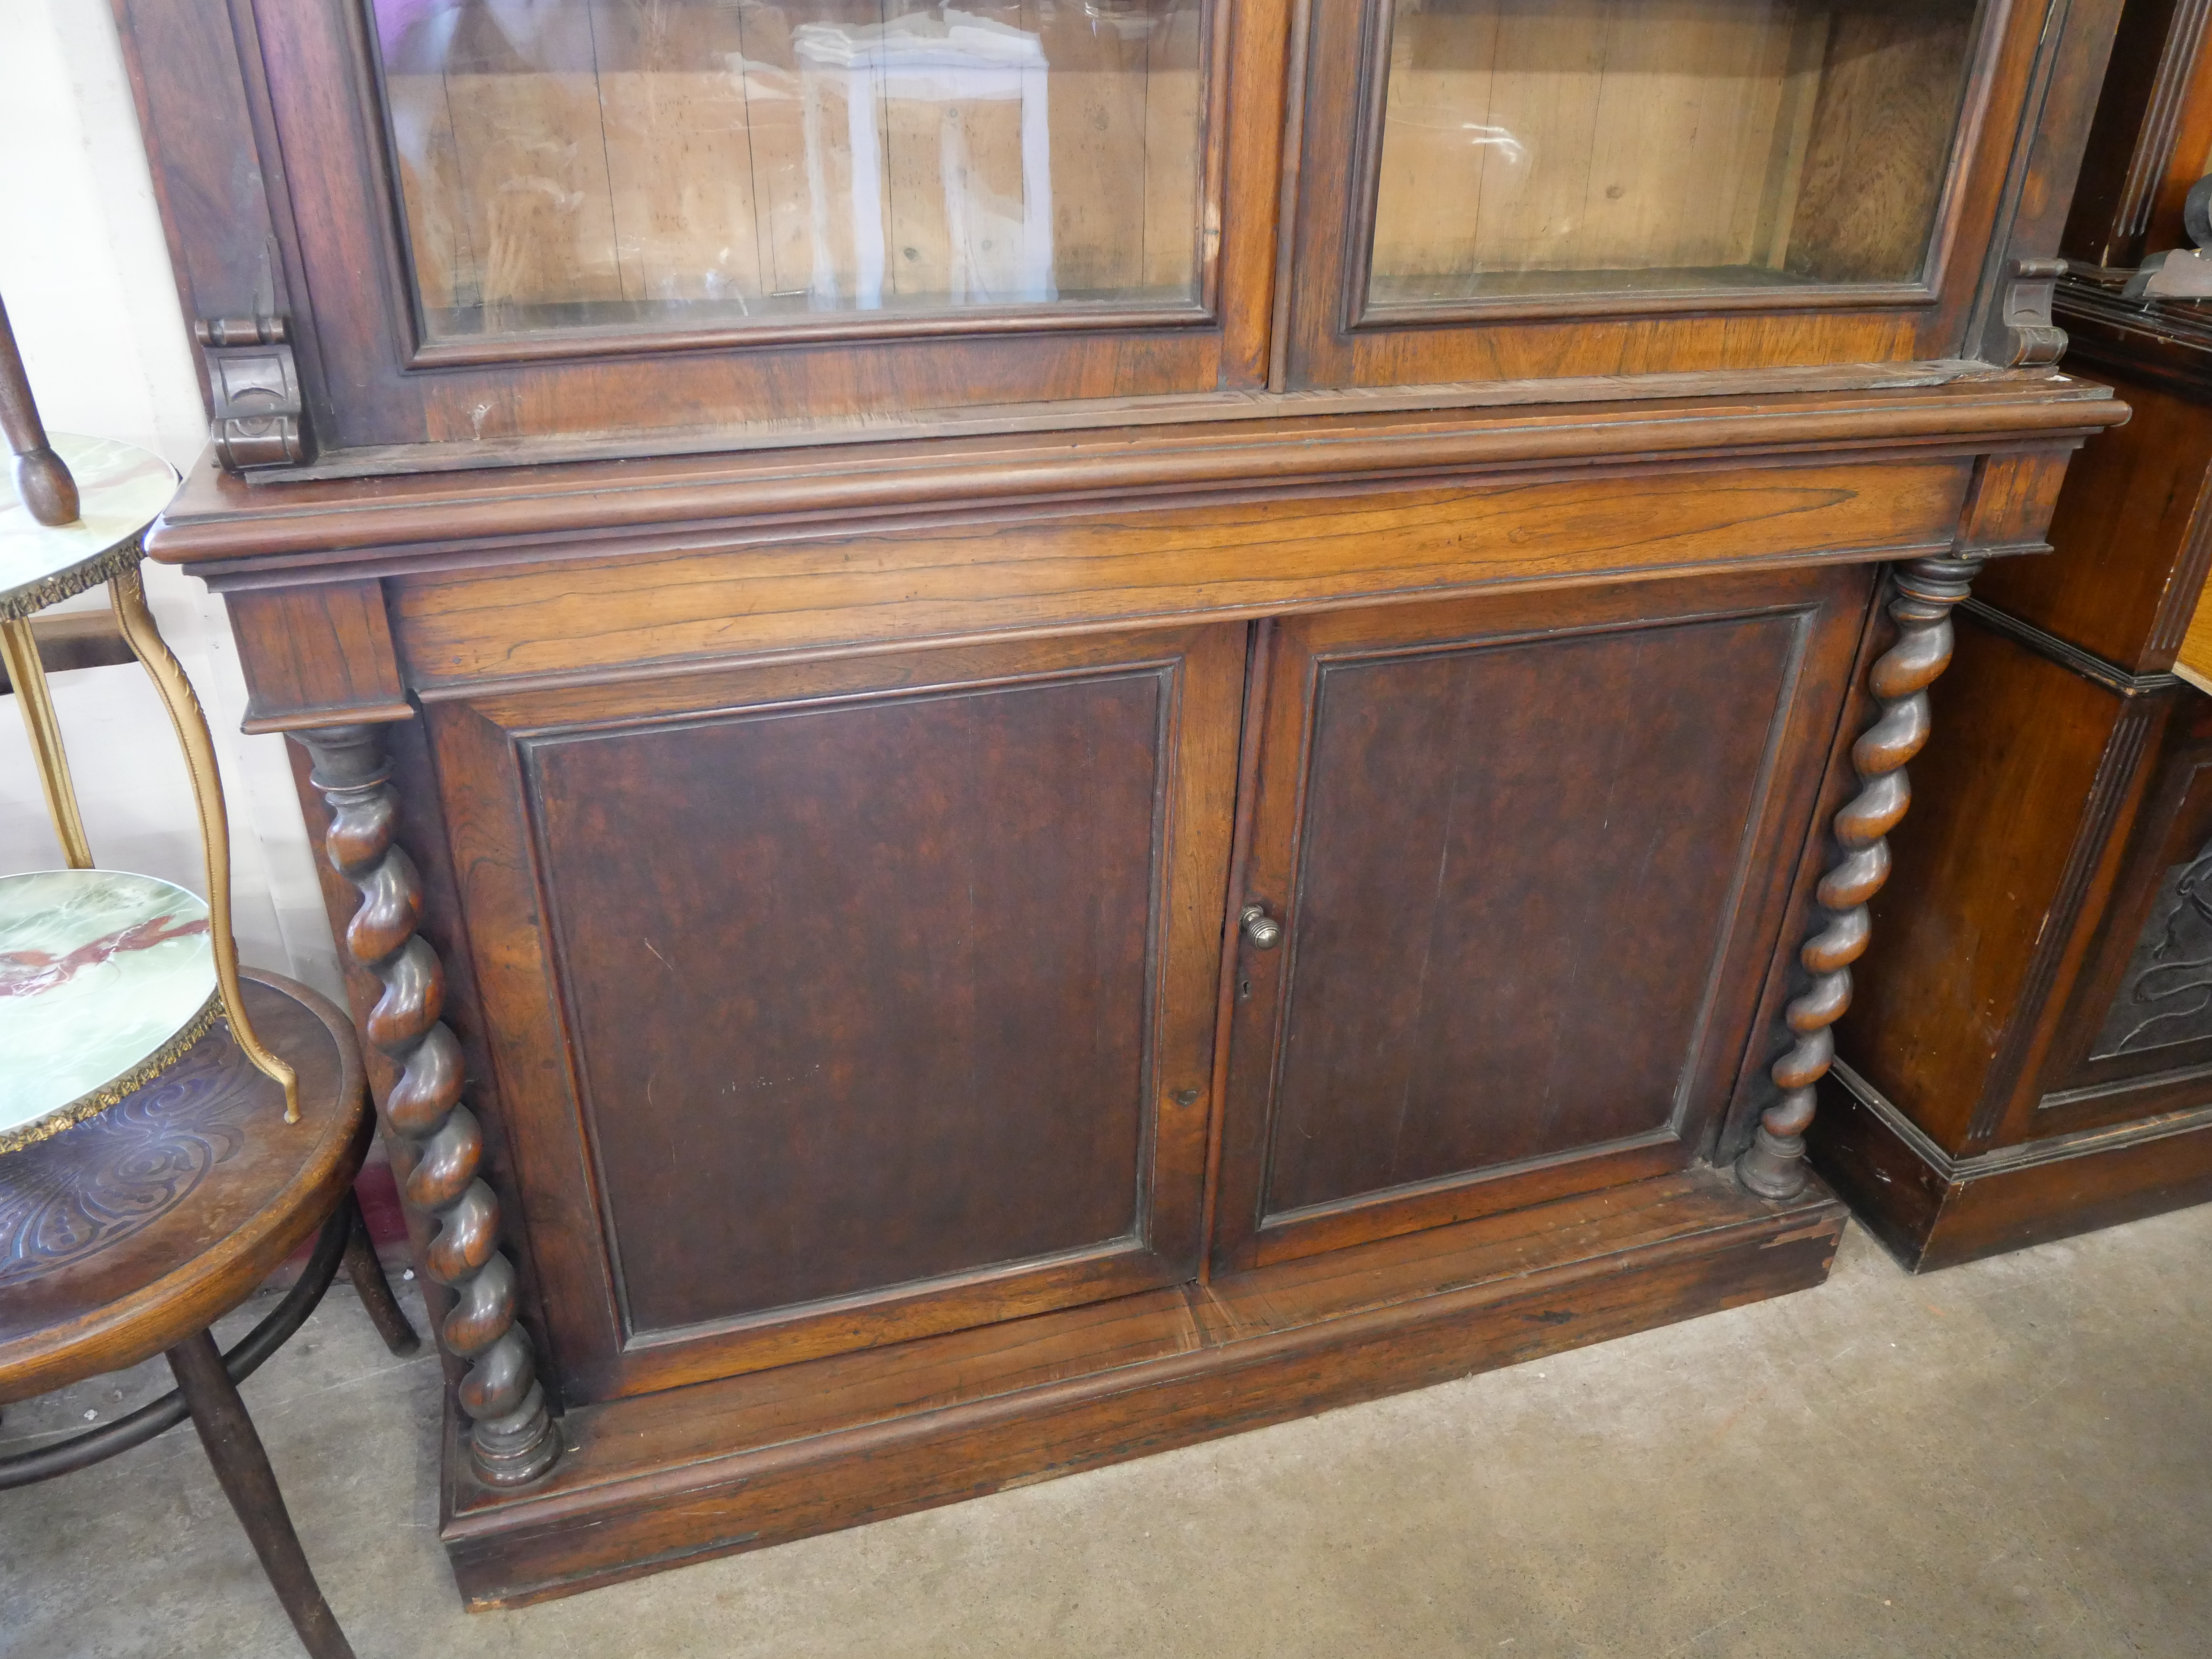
x=126, y=593
x=19, y=650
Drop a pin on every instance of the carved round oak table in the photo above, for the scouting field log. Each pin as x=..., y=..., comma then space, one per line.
x=132, y=1232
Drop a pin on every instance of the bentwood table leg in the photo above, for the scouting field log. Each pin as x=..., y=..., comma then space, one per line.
x=234, y=1448
x=367, y=1275
x=19, y=650
x=126, y=595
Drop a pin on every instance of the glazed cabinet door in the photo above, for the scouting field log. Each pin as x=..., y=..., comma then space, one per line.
x=1518, y=872
x=613, y=223
x=1512, y=189
x=848, y=1002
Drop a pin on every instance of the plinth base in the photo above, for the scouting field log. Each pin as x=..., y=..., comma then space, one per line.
x=660, y=1479
x=1935, y=1211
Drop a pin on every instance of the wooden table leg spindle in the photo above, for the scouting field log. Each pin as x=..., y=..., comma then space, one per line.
x=375, y=1291
x=241, y=1465
x=1773, y=1165
x=512, y=1436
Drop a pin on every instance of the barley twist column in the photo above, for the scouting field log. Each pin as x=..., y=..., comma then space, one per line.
x=1923, y=592
x=512, y=1439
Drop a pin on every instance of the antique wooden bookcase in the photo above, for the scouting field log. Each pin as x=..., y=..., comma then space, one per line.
x=1047, y=728
x=2034, y=1060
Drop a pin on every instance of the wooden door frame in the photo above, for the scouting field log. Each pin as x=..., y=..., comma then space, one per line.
x=475, y=745
x=339, y=276
x=1331, y=341
x=1832, y=605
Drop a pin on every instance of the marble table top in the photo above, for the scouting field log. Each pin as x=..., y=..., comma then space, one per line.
x=104, y=979
x=120, y=489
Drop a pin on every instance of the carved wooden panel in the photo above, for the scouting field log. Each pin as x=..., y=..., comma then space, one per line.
x=883, y=988
x=1523, y=941
x=2166, y=995
x=2134, y=1037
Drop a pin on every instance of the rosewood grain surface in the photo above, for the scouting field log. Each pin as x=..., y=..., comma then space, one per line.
x=819, y=839
x=2135, y=524
x=1034, y=573
x=1459, y=997
x=317, y=656
x=1259, y=447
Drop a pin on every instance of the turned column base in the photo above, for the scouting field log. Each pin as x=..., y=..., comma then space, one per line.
x=1773, y=1166
x=515, y=1450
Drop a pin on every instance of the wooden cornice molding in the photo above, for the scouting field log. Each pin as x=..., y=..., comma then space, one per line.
x=238, y=533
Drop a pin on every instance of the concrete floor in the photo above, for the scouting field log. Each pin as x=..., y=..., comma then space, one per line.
x=2008, y=1459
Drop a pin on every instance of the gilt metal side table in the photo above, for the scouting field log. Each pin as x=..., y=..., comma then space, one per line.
x=171, y=1130
x=83, y=506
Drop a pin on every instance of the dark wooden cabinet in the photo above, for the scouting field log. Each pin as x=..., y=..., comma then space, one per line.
x=2033, y=1060
x=1047, y=729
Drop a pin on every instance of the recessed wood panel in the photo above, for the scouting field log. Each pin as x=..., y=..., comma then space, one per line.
x=1510, y=899
x=861, y=999
x=2133, y=1039
x=859, y=992
x=1523, y=939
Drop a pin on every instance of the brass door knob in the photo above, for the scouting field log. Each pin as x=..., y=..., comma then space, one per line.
x=1261, y=931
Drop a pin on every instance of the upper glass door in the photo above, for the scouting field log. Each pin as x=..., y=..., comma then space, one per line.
x=1574, y=148
x=1505, y=189
x=689, y=165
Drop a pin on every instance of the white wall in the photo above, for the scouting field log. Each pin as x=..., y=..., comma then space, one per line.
x=85, y=273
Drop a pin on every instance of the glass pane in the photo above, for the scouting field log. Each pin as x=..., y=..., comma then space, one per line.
x=1564, y=146
x=695, y=163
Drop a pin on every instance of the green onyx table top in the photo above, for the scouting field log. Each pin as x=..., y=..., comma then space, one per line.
x=120, y=490
x=104, y=979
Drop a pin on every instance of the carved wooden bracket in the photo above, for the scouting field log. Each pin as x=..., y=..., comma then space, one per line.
x=259, y=420
x=1924, y=591
x=2035, y=338
x=512, y=1438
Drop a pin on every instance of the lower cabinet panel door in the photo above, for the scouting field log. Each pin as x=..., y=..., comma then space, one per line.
x=1530, y=856
x=848, y=1002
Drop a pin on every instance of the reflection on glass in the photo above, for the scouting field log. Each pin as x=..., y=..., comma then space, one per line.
x=694, y=163
x=1563, y=146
